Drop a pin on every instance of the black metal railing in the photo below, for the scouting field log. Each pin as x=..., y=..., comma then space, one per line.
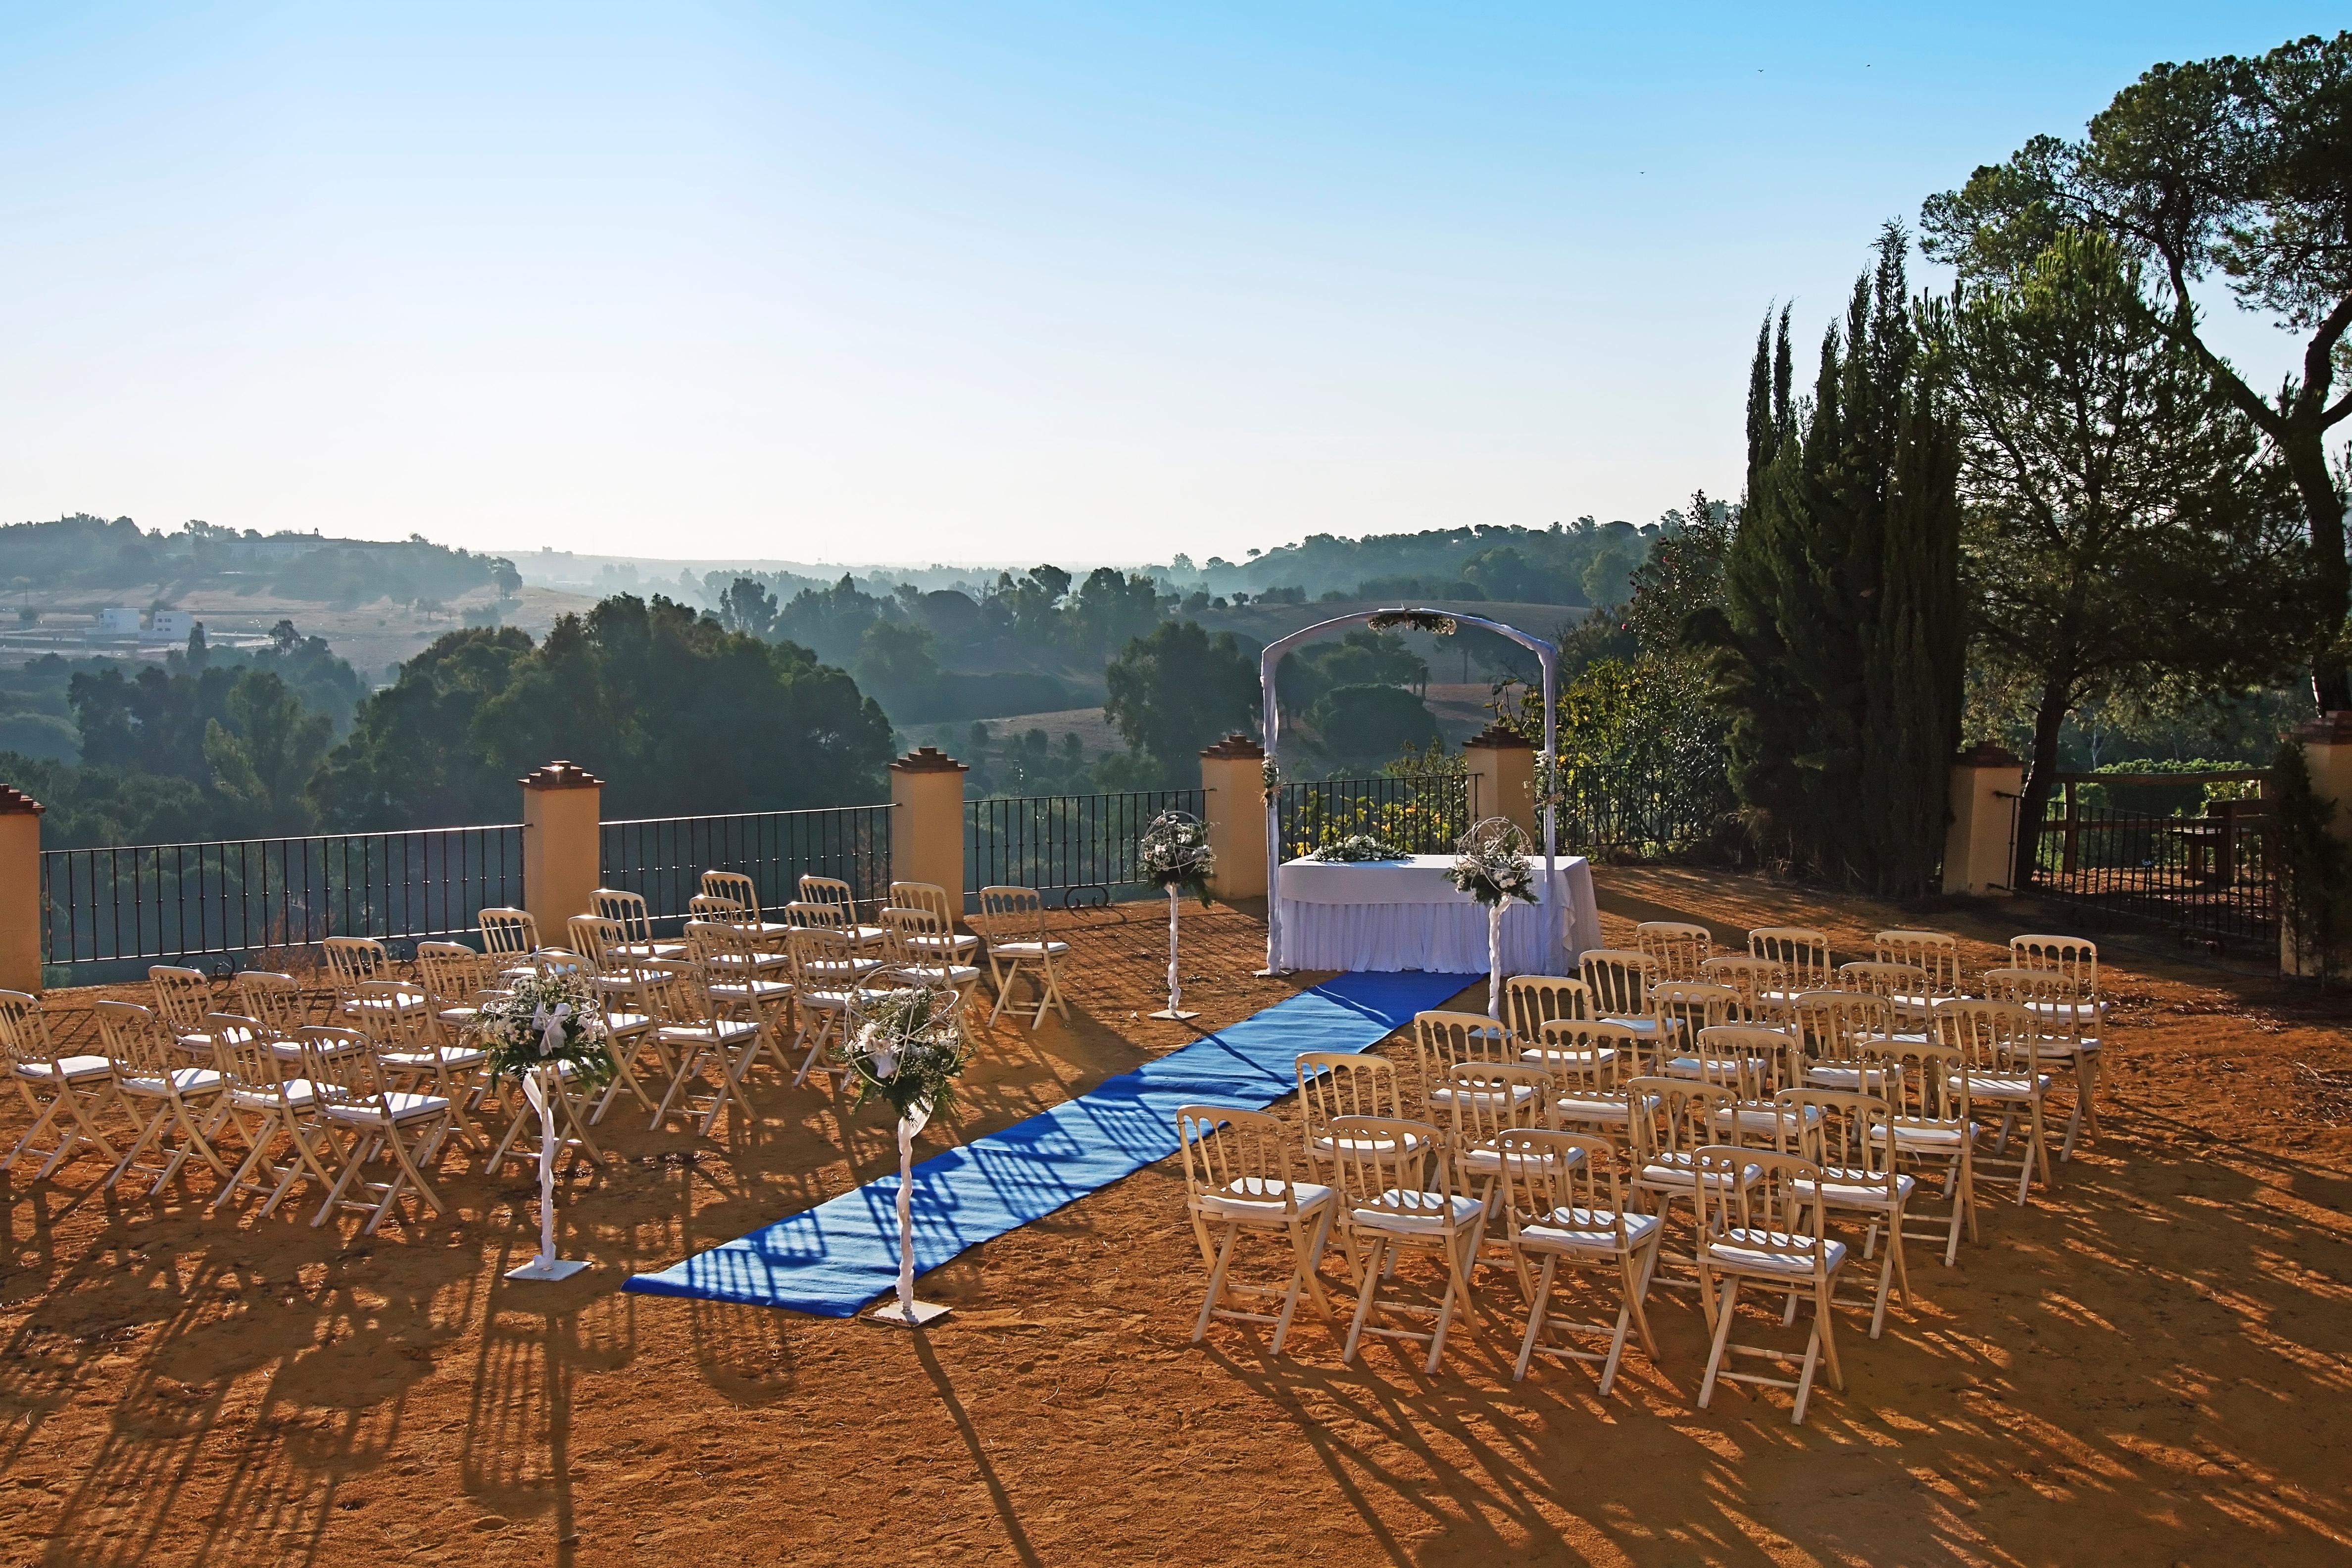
x=1641, y=809
x=1421, y=815
x=2207, y=878
x=182, y=901
x=662, y=859
x=1079, y=847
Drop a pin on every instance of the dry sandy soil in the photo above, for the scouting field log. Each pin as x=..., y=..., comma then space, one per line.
x=2146, y=1367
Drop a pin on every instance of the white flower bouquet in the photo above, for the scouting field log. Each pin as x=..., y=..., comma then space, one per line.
x=546, y=1020
x=1494, y=868
x=908, y=1050
x=1174, y=854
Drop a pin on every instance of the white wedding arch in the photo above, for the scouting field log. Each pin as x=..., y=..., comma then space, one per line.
x=1444, y=623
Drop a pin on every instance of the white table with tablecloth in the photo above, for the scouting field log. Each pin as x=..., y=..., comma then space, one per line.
x=1390, y=915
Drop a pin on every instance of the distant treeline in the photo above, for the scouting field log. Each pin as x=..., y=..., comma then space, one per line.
x=85, y=552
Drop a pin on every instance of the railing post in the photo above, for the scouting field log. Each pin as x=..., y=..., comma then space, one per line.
x=2328, y=757
x=1232, y=808
x=562, y=848
x=20, y=890
x=927, y=820
x=1977, y=854
x=1502, y=777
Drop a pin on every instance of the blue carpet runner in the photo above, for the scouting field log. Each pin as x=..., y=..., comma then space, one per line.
x=833, y=1259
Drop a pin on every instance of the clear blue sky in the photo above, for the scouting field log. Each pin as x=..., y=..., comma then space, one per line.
x=962, y=283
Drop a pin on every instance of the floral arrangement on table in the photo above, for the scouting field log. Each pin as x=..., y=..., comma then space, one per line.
x=1174, y=854
x=551, y=1020
x=1494, y=868
x=1358, y=848
x=908, y=1049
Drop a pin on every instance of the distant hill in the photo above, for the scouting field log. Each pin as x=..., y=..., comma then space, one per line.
x=86, y=553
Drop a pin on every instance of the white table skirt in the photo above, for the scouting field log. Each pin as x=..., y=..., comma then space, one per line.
x=1385, y=916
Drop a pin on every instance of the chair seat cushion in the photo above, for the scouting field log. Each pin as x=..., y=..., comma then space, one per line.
x=1855, y=1190
x=951, y=974
x=1717, y=1072
x=1645, y=1027
x=298, y=1092
x=1030, y=949
x=72, y=1069
x=1554, y=1057
x=403, y=1107
x=1744, y=1251
x=2005, y=1086
x=1483, y=1160
x=1933, y=1135
x=1257, y=1199
x=1597, y=1108
x=1755, y=1118
x=1586, y=1230
x=1674, y=1171
x=941, y=942
x=1411, y=1212
x=1836, y=1075
x=1327, y=1146
x=186, y=1080
x=1520, y=1094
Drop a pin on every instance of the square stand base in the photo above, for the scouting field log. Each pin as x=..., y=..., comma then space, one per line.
x=557, y=1269
x=1172, y=1014
x=1270, y=973
x=925, y=1312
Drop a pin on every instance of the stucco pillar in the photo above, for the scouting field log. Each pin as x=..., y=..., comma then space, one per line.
x=1503, y=778
x=1979, y=842
x=1232, y=786
x=927, y=821
x=562, y=845
x=20, y=890
x=2328, y=757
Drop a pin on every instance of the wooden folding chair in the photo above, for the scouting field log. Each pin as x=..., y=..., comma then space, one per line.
x=1565, y=1202
x=1901, y=987
x=415, y=1057
x=1851, y=1141
x=744, y=894
x=2075, y=958
x=830, y=990
x=628, y=911
x=1012, y=922
x=1237, y=1177
x=355, y=1097
x=66, y=1095
x=159, y=1094
x=1444, y=1041
x=1761, y=984
x=2068, y=1022
x=357, y=962
x=731, y=957
x=839, y=896
x=510, y=936
x=1531, y=1001
x=1690, y=1116
x=1592, y=1064
x=1800, y=954
x=957, y=947
x=1934, y=954
x=917, y=952
x=1926, y=1085
x=1483, y=1102
x=268, y=1102
x=275, y=1000
x=1619, y=984
x=1333, y=1085
x=1755, y=1230
x=1675, y=948
x=1836, y=1030
x=183, y=999
x=1397, y=1192
x=1680, y=1009
x=697, y=1035
x=2000, y=1043
x=1575, y=1044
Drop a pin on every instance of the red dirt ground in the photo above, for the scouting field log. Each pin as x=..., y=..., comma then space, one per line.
x=2147, y=1367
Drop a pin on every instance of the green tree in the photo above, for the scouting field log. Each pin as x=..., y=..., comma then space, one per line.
x=1370, y=724
x=1177, y=690
x=897, y=666
x=263, y=756
x=2242, y=165
x=1111, y=609
x=2126, y=521
x=1839, y=649
x=746, y=607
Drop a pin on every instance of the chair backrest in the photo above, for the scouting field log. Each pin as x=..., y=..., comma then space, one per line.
x=1751, y=1057
x=1563, y=1180
x=1834, y=1026
x=1935, y=953
x=1591, y=1052
x=184, y=997
x=1487, y=1100
x=128, y=1034
x=735, y=888
x=1385, y=1161
x=2065, y=1014
x=594, y=937
x=508, y=933
x=728, y=954
x=928, y=896
x=1927, y=1083
x=559, y=960
x=1770, y=1216
x=1446, y=1039
x=1848, y=1129
x=1692, y=1004
x=23, y=1032
x=1333, y=1084
x=1802, y=952
x=1011, y=914
x=831, y=890
x=241, y=1049
x=627, y=908
x=1678, y=949
x=903, y=924
x=673, y=990
x=2075, y=957
x=275, y=1000
x=1994, y=1037
x=454, y=973
x=1531, y=1001
x=1756, y=979
x=1685, y=1117
x=1898, y=982
x=822, y=958
x=341, y=1066
x=1228, y=1150
x=352, y=960
x=1619, y=982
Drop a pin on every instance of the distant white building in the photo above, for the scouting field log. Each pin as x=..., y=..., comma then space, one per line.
x=170, y=625
x=117, y=622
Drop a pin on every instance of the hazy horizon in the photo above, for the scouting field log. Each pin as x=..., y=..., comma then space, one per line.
x=937, y=285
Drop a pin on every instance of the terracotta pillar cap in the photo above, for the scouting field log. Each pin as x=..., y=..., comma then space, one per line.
x=14, y=802
x=928, y=760
x=1235, y=747
x=1494, y=737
